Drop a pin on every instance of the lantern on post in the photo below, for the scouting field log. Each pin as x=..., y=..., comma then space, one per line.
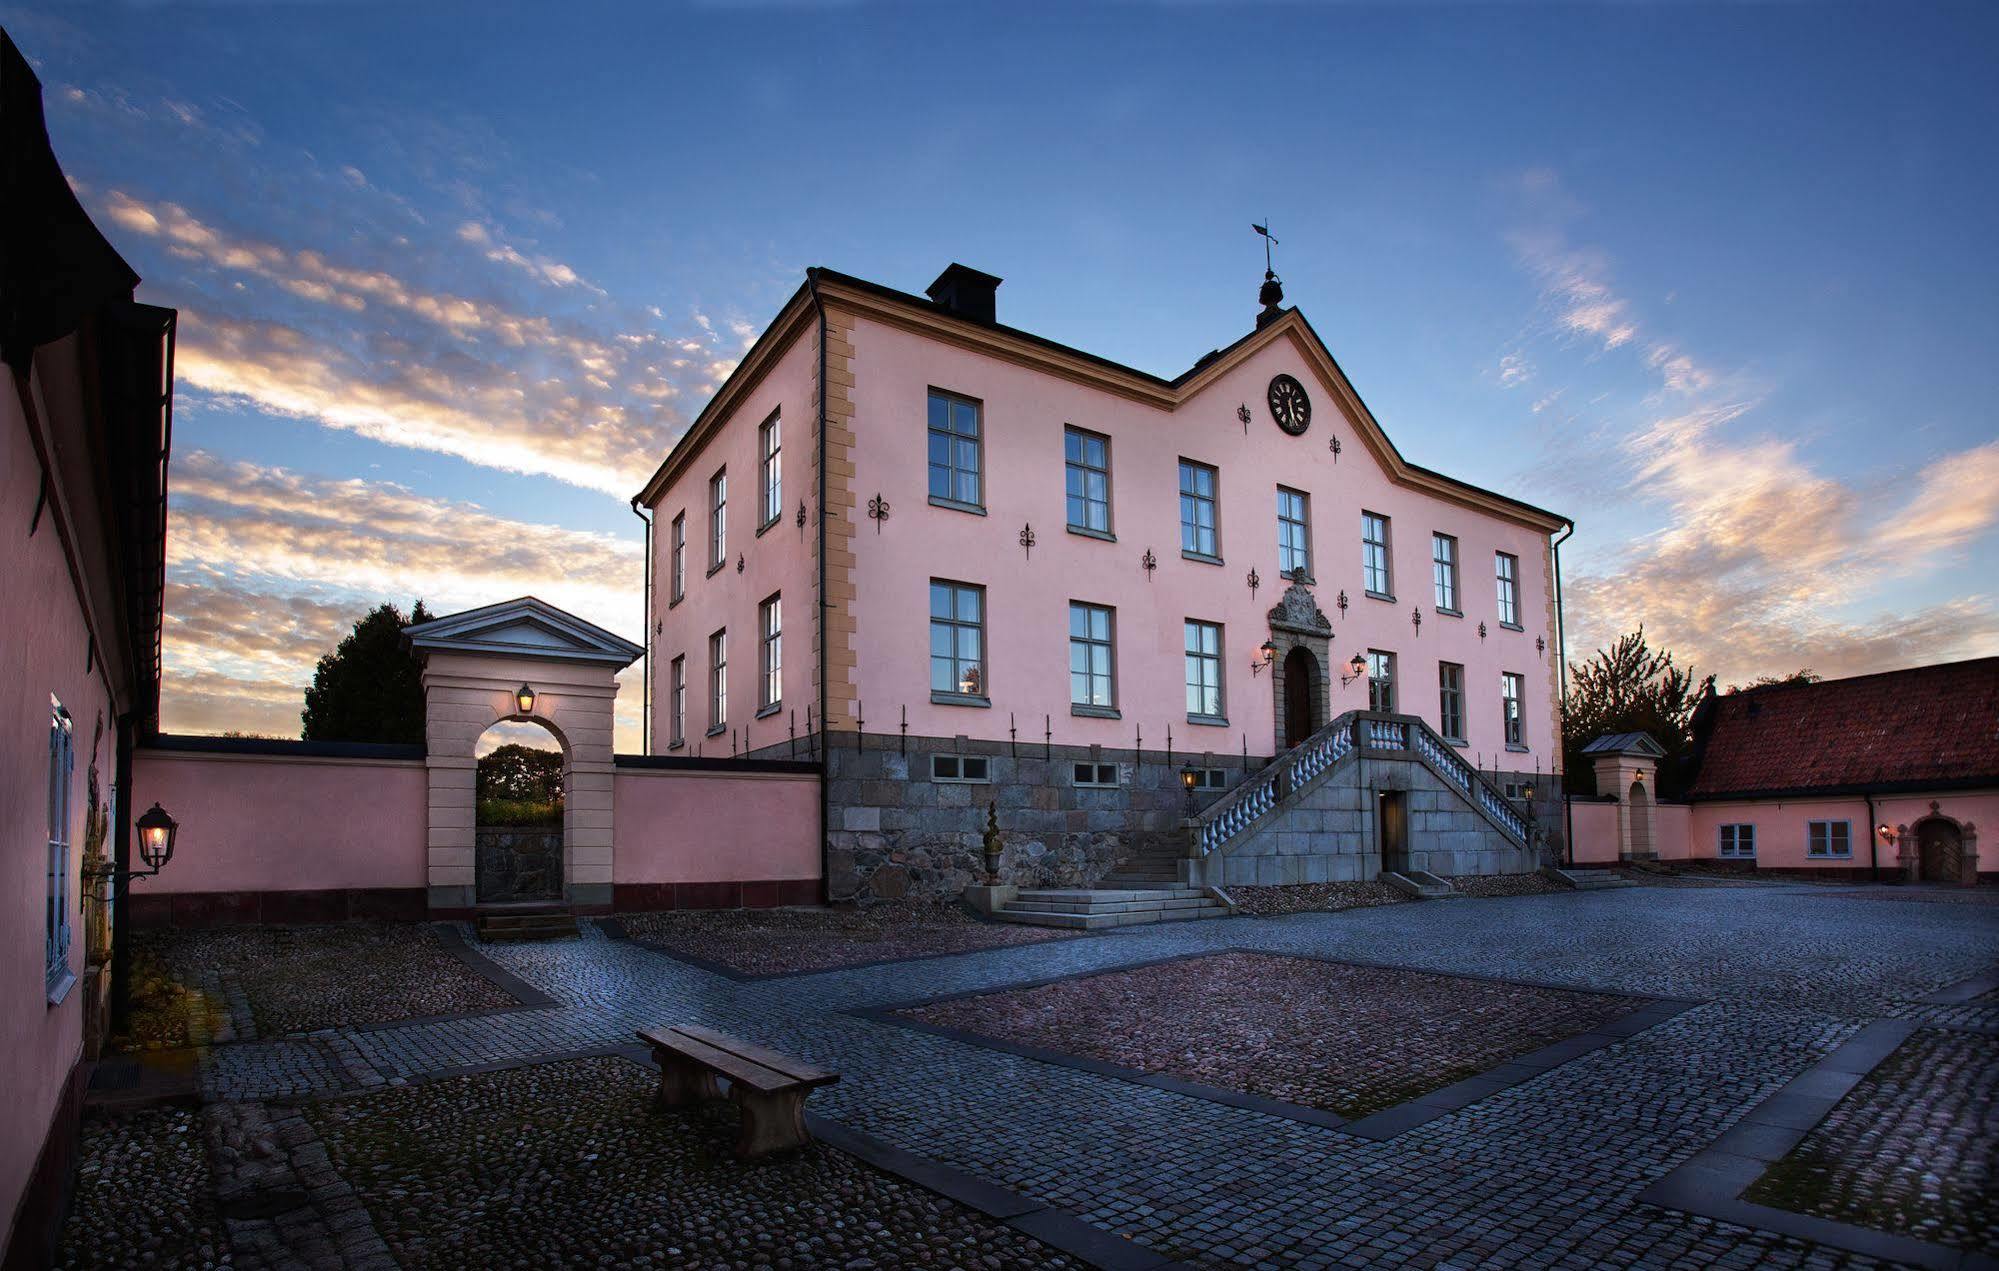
x=1187, y=779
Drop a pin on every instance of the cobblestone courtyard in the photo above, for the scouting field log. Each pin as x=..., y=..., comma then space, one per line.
x=427, y=1142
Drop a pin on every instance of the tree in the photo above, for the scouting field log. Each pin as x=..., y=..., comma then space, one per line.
x=1629, y=688
x=370, y=687
x=1804, y=675
x=514, y=771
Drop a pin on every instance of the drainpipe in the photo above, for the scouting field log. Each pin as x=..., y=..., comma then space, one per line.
x=825, y=610
x=121, y=860
x=1562, y=692
x=645, y=659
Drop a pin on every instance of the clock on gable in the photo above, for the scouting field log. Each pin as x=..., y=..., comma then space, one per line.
x=1289, y=405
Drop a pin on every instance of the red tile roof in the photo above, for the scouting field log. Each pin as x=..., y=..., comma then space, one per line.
x=1926, y=725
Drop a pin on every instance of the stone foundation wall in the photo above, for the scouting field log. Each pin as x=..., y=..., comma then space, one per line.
x=893, y=831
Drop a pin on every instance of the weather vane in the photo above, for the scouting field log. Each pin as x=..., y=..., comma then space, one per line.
x=1271, y=296
x=1269, y=241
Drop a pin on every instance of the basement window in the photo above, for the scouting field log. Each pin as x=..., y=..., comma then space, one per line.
x=1209, y=778
x=1101, y=775
x=972, y=768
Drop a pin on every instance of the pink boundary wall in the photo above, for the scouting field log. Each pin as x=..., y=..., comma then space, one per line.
x=307, y=838
x=1692, y=832
x=1596, y=832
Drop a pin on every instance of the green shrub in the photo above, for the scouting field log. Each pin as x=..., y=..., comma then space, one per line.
x=520, y=812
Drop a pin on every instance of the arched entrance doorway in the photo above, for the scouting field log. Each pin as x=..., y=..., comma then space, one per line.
x=518, y=835
x=1939, y=850
x=1641, y=822
x=1301, y=684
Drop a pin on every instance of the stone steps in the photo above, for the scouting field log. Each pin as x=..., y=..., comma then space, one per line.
x=1093, y=909
x=543, y=925
x=1587, y=879
x=1418, y=883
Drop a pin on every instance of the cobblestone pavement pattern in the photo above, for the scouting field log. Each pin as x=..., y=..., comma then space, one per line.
x=277, y=980
x=1342, y=1038
x=1544, y=1173
x=788, y=941
x=1912, y=1149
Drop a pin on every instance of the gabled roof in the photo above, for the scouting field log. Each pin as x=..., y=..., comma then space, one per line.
x=1929, y=727
x=1626, y=744
x=525, y=627
x=913, y=312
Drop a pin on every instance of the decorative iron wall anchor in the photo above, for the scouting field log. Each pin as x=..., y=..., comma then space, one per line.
x=1541, y=644
x=1242, y=413
x=1334, y=446
x=878, y=511
x=801, y=514
x=1150, y=563
x=1481, y=633
x=1416, y=619
x=1027, y=539
x=739, y=562
x=1255, y=581
x=1341, y=601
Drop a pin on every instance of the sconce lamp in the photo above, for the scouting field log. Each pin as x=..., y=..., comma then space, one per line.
x=156, y=837
x=524, y=698
x=1357, y=668
x=1265, y=655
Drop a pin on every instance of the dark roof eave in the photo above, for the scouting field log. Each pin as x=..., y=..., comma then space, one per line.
x=1849, y=789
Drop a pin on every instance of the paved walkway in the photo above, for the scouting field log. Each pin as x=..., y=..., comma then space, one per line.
x=1543, y=1173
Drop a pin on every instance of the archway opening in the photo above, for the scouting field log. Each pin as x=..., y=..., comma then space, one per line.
x=1301, y=682
x=1641, y=822
x=520, y=797
x=1939, y=850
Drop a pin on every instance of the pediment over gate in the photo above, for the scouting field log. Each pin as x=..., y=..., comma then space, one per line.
x=526, y=627
x=1299, y=613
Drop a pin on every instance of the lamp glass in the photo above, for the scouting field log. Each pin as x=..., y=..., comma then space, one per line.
x=156, y=837
x=524, y=697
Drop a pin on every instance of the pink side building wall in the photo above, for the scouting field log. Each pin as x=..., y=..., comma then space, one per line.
x=1692, y=832
x=707, y=839
x=46, y=639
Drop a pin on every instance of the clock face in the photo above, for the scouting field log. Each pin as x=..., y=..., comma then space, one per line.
x=1289, y=405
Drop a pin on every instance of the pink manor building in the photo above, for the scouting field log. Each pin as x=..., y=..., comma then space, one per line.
x=968, y=568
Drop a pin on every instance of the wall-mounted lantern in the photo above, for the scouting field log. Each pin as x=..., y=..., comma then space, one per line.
x=1265, y=655
x=524, y=698
x=1187, y=778
x=157, y=831
x=1357, y=666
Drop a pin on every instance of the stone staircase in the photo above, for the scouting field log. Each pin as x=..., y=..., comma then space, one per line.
x=1094, y=909
x=1587, y=879
x=536, y=922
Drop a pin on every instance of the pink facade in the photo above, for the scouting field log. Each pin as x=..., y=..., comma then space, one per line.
x=271, y=823
x=1782, y=827
x=1596, y=832
x=778, y=560
x=701, y=831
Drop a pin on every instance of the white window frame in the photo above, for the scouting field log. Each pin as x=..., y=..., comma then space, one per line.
x=770, y=653
x=718, y=681
x=1207, y=676
x=770, y=470
x=1735, y=841
x=1077, y=468
x=677, y=571
x=676, y=701
x=1090, y=645
x=1294, y=533
x=1451, y=700
x=1381, y=681
x=718, y=520
x=1193, y=500
x=1377, y=564
x=60, y=931
x=1444, y=571
x=1513, y=708
x=1506, y=578
x=956, y=692
x=1817, y=832
x=952, y=437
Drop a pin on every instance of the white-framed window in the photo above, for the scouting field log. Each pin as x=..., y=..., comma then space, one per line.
x=965, y=768
x=1381, y=681
x=1735, y=842
x=718, y=520
x=1086, y=461
x=718, y=681
x=770, y=653
x=678, y=569
x=1512, y=689
x=1375, y=574
x=1506, y=572
x=1829, y=839
x=1294, y=532
x=1210, y=778
x=62, y=767
x=1444, y=571
x=1200, y=533
x=1451, y=701
x=1102, y=776
x=676, y=700
x=1092, y=655
x=770, y=472
x=1204, y=669
x=957, y=640
x=957, y=450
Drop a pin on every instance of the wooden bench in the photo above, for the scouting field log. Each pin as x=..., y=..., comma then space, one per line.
x=769, y=1088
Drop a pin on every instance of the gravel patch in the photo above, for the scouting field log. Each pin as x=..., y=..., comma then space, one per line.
x=569, y=1164
x=279, y=980
x=1345, y=1039
x=789, y=941
x=142, y=1195
x=1479, y=886
x=1266, y=902
x=1913, y=1149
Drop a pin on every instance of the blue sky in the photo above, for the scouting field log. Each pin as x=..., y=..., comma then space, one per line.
x=1716, y=281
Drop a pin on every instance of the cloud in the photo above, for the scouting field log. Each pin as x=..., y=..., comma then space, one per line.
x=268, y=568
x=553, y=272
x=1514, y=370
